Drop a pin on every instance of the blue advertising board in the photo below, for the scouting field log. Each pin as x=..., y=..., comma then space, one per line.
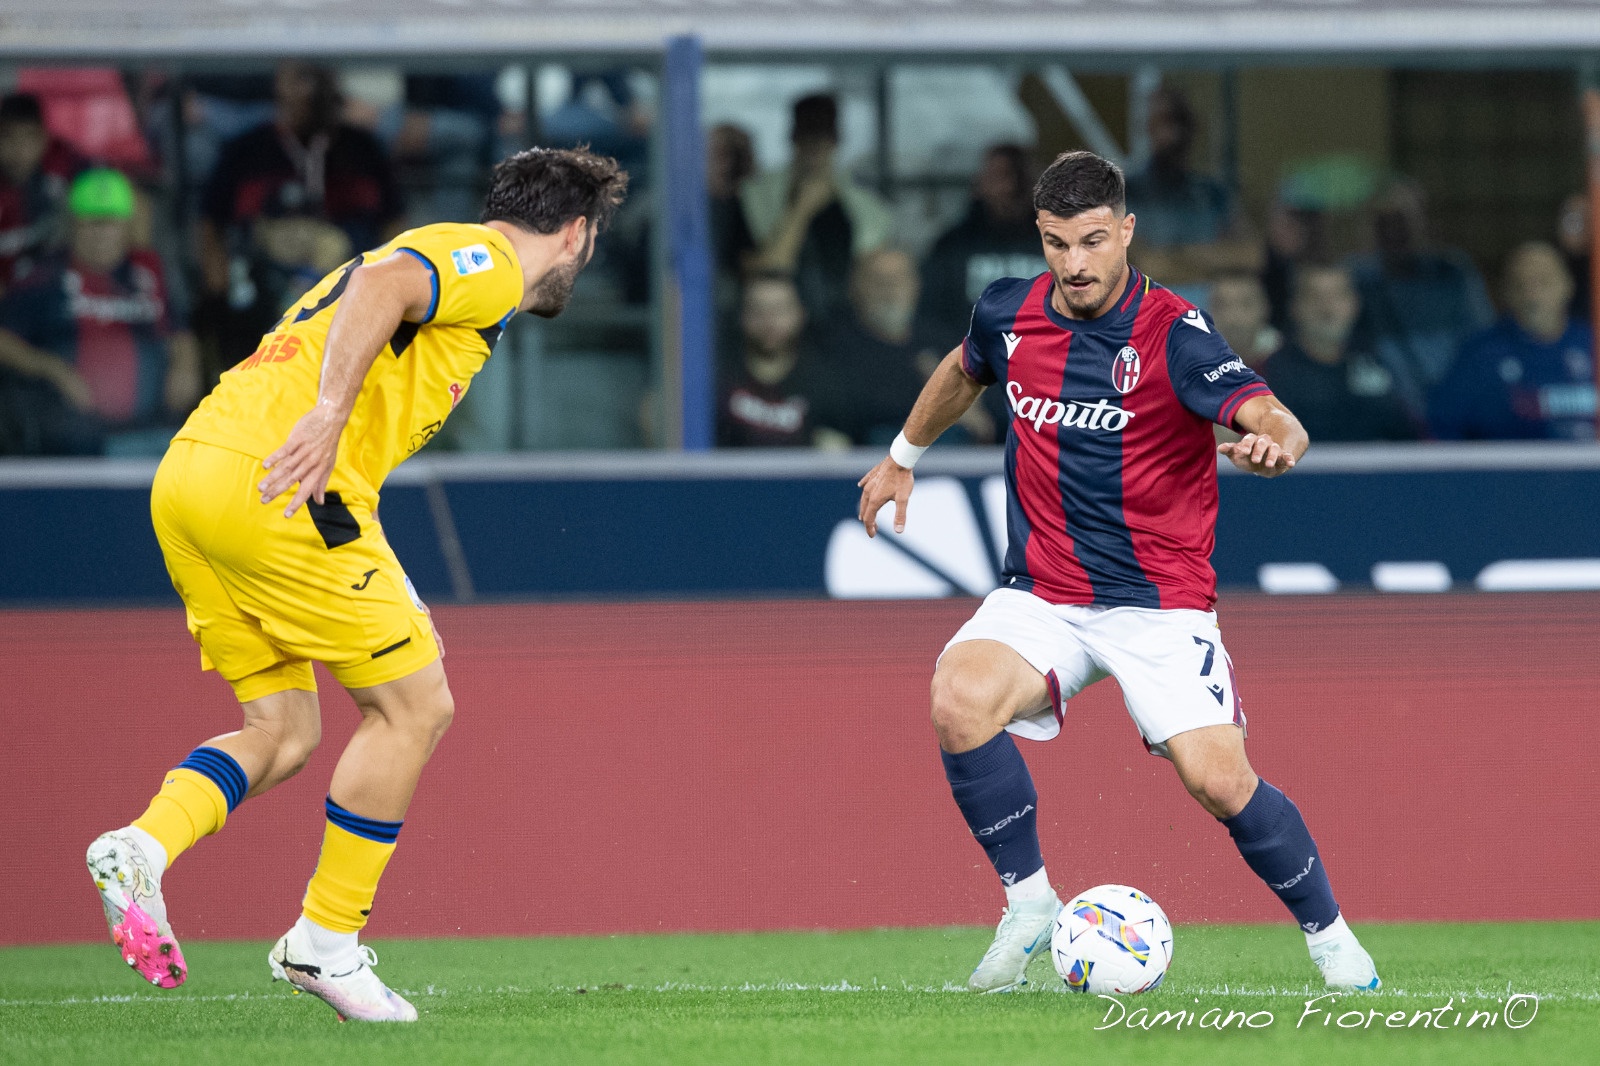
x=1417, y=518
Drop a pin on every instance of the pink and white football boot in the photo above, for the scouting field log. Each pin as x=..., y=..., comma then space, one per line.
x=127, y=865
x=345, y=982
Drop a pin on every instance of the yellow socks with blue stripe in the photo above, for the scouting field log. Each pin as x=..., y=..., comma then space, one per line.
x=355, y=849
x=195, y=800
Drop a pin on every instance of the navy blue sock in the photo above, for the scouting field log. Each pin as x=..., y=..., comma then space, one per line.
x=1274, y=840
x=995, y=792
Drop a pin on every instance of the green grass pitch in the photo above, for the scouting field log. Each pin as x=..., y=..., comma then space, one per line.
x=890, y=996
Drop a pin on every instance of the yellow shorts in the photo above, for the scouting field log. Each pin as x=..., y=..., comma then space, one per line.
x=267, y=595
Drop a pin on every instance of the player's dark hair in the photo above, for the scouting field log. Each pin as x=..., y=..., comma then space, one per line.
x=542, y=189
x=1080, y=181
x=22, y=107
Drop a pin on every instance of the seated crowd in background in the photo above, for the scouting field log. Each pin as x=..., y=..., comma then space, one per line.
x=1397, y=342
x=112, y=325
x=93, y=356
x=102, y=348
x=97, y=355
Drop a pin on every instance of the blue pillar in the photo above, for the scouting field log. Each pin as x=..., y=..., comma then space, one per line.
x=689, y=241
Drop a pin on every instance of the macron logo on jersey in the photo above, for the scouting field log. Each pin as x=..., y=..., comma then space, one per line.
x=1041, y=412
x=1012, y=340
x=1194, y=318
x=473, y=259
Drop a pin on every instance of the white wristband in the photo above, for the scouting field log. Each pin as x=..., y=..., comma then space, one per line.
x=904, y=452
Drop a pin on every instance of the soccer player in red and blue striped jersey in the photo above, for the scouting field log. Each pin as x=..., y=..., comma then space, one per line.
x=1113, y=384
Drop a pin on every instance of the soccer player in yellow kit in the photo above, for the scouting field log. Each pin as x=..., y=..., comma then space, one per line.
x=265, y=509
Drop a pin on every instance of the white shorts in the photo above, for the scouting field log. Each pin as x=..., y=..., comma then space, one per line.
x=1175, y=674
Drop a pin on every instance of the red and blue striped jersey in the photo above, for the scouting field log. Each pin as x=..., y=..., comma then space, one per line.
x=1111, y=465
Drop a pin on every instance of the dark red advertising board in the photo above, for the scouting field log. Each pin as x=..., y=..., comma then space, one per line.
x=763, y=765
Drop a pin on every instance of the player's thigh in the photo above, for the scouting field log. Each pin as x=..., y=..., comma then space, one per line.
x=232, y=641
x=1174, y=672
x=1020, y=659
x=349, y=605
x=322, y=584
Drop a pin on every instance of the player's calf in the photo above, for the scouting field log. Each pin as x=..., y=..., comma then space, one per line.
x=1273, y=837
x=279, y=736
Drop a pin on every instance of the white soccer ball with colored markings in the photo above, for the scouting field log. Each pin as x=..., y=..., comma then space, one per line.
x=1112, y=939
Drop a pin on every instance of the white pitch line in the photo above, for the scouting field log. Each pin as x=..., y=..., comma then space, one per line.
x=1478, y=994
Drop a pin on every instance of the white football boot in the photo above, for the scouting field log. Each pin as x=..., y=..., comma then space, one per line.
x=1022, y=936
x=1345, y=964
x=128, y=877
x=347, y=984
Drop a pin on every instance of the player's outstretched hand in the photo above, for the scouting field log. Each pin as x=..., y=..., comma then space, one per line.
x=306, y=458
x=1257, y=453
x=884, y=482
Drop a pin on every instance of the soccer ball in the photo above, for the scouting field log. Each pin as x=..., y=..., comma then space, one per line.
x=1112, y=939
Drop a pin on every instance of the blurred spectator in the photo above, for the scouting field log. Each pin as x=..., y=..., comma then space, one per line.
x=1573, y=238
x=811, y=219
x=1339, y=394
x=1239, y=308
x=997, y=238
x=34, y=171
x=769, y=393
x=1187, y=230
x=1531, y=374
x=730, y=161
x=1418, y=302
x=216, y=109
x=289, y=249
x=341, y=170
x=1295, y=235
x=91, y=334
x=604, y=112
x=444, y=131
x=877, y=358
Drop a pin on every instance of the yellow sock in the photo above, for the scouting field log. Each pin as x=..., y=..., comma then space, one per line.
x=354, y=852
x=188, y=807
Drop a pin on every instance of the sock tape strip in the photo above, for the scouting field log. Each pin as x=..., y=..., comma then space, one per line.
x=371, y=828
x=220, y=767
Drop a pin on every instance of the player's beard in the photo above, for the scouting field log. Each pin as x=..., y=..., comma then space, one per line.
x=1091, y=302
x=550, y=295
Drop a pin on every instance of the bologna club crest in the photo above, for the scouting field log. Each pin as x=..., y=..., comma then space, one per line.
x=1125, y=370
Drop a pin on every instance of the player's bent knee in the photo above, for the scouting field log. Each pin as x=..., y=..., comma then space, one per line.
x=1224, y=794
x=444, y=712
x=296, y=750
x=430, y=718
x=964, y=709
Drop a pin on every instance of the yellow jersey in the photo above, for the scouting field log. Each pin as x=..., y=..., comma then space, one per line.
x=418, y=378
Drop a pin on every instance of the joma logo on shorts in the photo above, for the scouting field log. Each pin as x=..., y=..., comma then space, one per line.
x=1100, y=415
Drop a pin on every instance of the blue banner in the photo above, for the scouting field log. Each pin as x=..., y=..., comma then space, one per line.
x=665, y=526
